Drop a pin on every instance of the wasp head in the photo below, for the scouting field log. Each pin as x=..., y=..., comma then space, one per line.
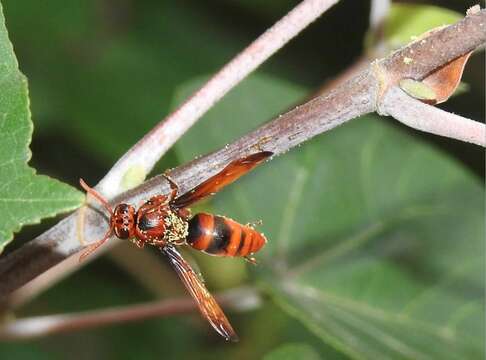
x=123, y=221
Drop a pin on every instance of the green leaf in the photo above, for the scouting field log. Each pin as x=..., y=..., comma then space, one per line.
x=407, y=21
x=375, y=238
x=293, y=352
x=417, y=89
x=25, y=198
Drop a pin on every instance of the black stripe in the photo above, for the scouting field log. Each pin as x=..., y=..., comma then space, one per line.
x=194, y=230
x=221, y=236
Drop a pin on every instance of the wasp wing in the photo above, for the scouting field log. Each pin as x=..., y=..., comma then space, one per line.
x=205, y=301
x=230, y=173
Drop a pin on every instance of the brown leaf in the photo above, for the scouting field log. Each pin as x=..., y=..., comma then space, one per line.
x=445, y=80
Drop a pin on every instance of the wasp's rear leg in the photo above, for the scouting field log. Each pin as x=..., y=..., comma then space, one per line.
x=254, y=224
x=251, y=259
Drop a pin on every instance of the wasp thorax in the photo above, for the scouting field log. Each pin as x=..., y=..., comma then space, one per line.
x=176, y=228
x=123, y=221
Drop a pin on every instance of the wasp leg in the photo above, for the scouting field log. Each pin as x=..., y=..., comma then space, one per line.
x=174, y=188
x=184, y=213
x=254, y=224
x=158, y=243
x=251, y=260
x=179, y=242
x=140, y=244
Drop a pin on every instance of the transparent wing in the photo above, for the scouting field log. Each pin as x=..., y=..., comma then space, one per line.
x=206, y=302
x=230, y=173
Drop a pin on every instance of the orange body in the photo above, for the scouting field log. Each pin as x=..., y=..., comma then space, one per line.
x=220, y=236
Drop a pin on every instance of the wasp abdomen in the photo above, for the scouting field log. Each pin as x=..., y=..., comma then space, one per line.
x=218, y=235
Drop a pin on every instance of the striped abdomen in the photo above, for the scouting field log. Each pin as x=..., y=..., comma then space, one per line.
x=217, y=235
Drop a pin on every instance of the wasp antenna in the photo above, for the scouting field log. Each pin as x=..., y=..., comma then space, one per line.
x=96, y=194
x=91, y=248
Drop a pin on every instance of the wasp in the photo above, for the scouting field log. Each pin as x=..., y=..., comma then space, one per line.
x=165, y=221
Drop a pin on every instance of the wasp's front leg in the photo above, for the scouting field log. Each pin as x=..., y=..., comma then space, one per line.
x=174, y=188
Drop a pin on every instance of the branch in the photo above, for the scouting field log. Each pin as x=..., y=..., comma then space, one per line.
x=423, y=117
x=145, y=153
x=358, y=96
x=243, y=298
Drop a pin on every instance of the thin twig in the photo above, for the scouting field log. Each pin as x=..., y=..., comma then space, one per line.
x=427, y=118
x=146, y=152
x=240, y=299
x=358, y=96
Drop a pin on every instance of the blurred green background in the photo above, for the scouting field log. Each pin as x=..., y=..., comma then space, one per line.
x=102, y=73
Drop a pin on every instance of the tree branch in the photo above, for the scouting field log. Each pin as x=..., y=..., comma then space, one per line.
x=239, y=299
x=423, y=117
x=360, y=95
